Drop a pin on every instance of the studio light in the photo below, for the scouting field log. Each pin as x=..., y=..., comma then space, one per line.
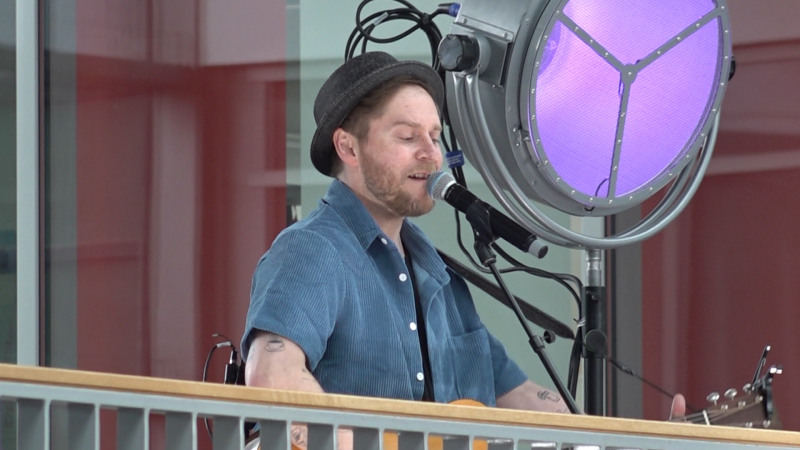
x=589, y=106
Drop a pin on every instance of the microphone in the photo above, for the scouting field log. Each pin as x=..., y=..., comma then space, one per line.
x=442, y=186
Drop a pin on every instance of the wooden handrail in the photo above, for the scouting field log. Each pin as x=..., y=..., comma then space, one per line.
x=212, y=391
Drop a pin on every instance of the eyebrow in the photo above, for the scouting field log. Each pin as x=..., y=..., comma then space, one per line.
x=415, y=125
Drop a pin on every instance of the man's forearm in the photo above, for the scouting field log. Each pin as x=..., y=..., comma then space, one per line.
x=533, y=397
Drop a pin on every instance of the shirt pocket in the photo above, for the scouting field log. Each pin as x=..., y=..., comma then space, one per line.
x=471, y=361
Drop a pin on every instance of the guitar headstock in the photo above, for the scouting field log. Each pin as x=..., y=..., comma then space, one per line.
x=754, y=408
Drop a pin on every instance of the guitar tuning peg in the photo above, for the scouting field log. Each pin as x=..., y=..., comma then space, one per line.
x=713, y=397
x=730, y=394
x=747, y=387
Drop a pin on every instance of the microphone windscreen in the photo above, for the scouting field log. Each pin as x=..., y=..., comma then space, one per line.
x=437, y=184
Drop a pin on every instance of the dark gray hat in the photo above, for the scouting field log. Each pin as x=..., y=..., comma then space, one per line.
x=348, y=85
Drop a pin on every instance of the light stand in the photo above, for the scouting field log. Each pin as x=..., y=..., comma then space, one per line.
x=594, y=335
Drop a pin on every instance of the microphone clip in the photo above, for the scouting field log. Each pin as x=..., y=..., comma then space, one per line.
x=480, y=218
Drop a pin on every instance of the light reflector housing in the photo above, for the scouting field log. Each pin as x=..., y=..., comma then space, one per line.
x=591, y=106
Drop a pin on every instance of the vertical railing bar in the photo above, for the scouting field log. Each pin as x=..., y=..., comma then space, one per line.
x=97, y=426
x=193, y=425
x=48, y=413
x=146, y=425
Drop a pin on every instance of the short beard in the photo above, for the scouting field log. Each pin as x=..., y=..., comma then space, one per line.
x=386, y=187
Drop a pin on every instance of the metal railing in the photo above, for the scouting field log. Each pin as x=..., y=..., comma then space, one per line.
x=76, y=400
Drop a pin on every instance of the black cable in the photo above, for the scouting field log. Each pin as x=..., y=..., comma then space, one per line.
x=362, y=34
x=205, y=374
x=577, y=345
x=226, y=343
x=537, y=345
x=560, y=278
x=575, y=355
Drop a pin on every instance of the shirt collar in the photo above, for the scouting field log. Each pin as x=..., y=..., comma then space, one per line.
x=353, y=212
x=349, y=207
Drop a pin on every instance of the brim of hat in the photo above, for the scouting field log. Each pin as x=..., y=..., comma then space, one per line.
x=322, y=148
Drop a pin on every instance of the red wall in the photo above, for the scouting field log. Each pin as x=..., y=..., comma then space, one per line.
x=170, y=216
x=721, y=282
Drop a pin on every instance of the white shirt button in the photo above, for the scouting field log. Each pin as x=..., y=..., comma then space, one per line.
x=413, y=326
x=384, y=241
x=403, y=277
x=420, y=376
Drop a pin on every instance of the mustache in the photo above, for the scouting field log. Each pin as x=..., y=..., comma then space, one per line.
x=430, y=168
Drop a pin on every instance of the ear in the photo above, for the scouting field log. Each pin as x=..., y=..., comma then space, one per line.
x=346, y=147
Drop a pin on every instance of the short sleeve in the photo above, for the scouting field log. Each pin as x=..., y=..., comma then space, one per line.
x=507, y=374
x=297, y=289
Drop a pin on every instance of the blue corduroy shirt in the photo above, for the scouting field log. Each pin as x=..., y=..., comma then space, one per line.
x=337, y=286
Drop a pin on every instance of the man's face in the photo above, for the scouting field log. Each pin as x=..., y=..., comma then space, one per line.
x=400, y=151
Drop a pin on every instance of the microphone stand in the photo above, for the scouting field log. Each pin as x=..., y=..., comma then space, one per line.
x=478, y=216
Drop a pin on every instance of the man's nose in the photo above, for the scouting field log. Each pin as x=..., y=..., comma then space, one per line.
x=431, y=149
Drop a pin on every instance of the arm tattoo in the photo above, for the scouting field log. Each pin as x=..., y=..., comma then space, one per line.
x=300, y=436
x=274, y=344
x=547, y=395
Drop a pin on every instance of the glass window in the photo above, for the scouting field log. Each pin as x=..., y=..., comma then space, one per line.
x=165, y=160
x=8, y=210
x=176, y=148
x=8, y=185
